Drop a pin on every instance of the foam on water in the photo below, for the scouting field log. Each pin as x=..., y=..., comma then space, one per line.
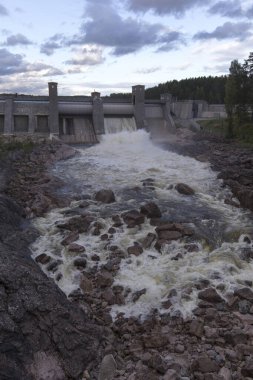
x=121, y=162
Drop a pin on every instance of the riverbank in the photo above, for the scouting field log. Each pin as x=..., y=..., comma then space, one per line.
x=214, y=343
x=43, y=335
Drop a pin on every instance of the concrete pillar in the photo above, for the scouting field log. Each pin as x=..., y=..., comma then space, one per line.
x=98, y=114
x=166, y=100
x=32, y=122
x=8, y=116
x=138, y=99
x=53, y=108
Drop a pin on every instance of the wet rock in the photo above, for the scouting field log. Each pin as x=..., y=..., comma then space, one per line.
x=104, y=237
x=108, y=296
x=244, y=306
x=78, y=223
x=104, y=279
x=210, y=295
x=166, y=304
x=184, y=189
x=148, y=240
x=43, y=259
x=86, y=284
x=108, y=368
x=53, y=266
x=204, y=364
x=179, y=349
x=151, y=210
x=95, y=257
x=70, y=238
x=244, y=293
x=196, y=328
x=105, y=196
x=133, y=218
x=192, y=247
x=80, y=263
x=138, y=294
x=168, y=235
x=135, y=250
x=77, y=248
x=237, y=336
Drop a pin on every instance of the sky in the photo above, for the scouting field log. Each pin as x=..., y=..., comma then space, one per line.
x=109, y=45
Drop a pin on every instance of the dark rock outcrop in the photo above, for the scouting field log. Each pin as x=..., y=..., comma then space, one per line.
x=42, y=335
x=105, y=196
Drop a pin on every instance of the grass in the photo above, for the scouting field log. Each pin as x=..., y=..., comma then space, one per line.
x=243, y=134
x=9, y=145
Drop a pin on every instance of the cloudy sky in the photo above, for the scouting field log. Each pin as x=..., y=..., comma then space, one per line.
x=110, y=45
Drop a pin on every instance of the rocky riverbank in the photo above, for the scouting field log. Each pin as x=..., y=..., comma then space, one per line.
x=44, y=336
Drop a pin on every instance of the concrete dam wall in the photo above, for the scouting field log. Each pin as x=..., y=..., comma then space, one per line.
x=83, y=119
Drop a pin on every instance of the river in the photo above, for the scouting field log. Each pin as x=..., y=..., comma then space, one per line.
x=138, y=171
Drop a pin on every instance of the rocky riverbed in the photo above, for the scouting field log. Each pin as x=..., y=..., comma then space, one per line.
x=45, y=336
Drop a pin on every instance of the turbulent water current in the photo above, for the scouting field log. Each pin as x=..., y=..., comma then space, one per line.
x=125, y=162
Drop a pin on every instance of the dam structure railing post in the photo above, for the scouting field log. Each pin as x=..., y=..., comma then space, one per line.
x=8, y=116
x=138, y=99
x=53, y=108
x=97, y=113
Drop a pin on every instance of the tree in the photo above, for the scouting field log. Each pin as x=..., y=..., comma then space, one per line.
x=230, y=103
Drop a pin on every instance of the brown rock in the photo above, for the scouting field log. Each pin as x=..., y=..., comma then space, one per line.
x=70, y=238
x=148, y=240
x=105, y=196
x=135, y=250
x=245, y=293
x=184, y=189
x=80, y=263
x=77, y=223
x=104, y=279
x=138, y=294
x=86, y=284
x=151, y=210
x=210, y=295
x=43, y=259
x=74, y=247
x=204, y=364
x=197, y=328
x=169, y=235
x=155, y=340
x=133, y=218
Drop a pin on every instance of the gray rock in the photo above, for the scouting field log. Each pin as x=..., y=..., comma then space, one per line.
x=151, y=210
x=184, y=189
x=108, y=368
x=105, y=196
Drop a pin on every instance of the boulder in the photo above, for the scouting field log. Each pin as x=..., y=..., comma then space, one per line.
x=244, y=293
x=151, y=210
x=135, y=250
x=184, y=189
x=70, y=238
x=105, y=196
x=43, y=259
x=148, y=240
x=74, y=247
x=210, y=295
x=133, y=218
x=205, y=365
x=108, y=368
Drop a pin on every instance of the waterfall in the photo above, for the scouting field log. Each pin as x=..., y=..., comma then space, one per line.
x=119, y=124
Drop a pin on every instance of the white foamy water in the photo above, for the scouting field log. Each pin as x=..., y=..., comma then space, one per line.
x=121, y=162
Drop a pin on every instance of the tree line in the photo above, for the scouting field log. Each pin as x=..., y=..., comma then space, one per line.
x=239, y=93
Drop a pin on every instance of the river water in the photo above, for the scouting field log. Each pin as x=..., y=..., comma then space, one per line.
x=125, y=161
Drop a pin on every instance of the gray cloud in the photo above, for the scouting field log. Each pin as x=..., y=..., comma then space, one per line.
x=108, y=28
x=239, y=30
x=15, y=64
x=161, y=7
x=88, y=57
x=3, y=11
x=53, y=43
x=226, y=8
x=170, y=41
x=149, y=70
x=17, y=39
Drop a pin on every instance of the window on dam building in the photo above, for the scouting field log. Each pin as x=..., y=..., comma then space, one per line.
x=21, y=123
x=1, y=123
x=42, y=125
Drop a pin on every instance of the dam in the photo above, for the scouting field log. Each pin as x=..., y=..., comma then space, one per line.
x=83, y=119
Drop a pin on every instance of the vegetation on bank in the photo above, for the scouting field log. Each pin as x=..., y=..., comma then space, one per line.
x=10, y=144
x=243, y=133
